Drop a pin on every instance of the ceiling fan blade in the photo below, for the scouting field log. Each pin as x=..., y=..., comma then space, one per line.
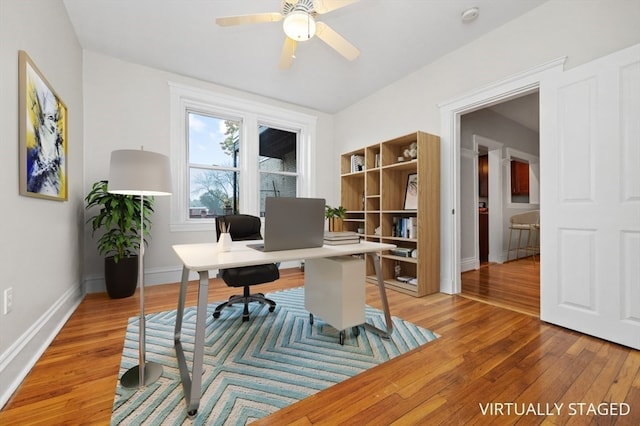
x=336, y=41
x=227, y=21
x=288, y=52
x=325, y=6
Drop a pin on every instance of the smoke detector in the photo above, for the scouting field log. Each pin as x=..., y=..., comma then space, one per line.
x=470, y=14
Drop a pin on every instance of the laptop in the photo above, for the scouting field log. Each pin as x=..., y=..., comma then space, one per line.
x=292, y=223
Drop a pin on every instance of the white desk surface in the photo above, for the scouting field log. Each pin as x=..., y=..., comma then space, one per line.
x=202, y=257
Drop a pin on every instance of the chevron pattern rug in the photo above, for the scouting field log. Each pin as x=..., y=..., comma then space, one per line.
x=255, y=368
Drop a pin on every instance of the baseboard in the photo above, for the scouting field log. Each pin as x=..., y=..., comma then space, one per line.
x=156, y=276
x=18, y=360
x=469, y=264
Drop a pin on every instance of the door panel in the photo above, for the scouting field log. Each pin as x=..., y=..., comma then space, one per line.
x=590, y=206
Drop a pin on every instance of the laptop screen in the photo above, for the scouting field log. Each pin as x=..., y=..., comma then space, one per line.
x=293, y=223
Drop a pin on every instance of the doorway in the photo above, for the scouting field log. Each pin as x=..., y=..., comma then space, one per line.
x=511, y=87
x=488, y=137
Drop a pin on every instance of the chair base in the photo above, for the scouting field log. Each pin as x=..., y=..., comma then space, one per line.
x=245, y=299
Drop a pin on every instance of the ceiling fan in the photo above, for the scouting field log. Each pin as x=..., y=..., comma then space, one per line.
x=300, y=24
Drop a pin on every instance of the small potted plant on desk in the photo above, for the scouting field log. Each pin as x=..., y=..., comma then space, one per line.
x=335, y=215
x=119, y=219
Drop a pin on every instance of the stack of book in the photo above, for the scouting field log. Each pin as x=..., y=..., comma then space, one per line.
x=405, y=227
x=337, y=238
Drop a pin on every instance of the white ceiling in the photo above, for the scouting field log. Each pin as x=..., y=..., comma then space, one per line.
x=395, y=38
x=524, y=110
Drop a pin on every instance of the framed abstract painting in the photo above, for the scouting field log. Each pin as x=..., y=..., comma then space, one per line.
x=43, y=135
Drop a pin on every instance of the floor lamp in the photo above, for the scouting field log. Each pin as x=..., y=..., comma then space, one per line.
x=142, y=173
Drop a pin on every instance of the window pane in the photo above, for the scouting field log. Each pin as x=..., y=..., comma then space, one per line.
x=213, y=141
x=277, y=150
x=213, y=192
x=276, y=185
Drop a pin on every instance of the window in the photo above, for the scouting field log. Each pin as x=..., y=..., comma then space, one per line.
x=229, y=154
x=277, y=164
x=213, y=154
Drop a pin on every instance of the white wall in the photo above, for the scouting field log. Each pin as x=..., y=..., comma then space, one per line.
x=582, y=32
x=126, y=106
x=41, y=249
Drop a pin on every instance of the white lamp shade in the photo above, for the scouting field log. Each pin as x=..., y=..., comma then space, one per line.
x=299, y=25
x=138, y=172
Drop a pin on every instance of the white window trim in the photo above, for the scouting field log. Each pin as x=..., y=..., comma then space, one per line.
x=185, y=98
x=534, y=187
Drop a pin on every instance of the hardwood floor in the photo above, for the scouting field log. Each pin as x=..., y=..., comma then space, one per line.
x=486, y=355
x=513, y=285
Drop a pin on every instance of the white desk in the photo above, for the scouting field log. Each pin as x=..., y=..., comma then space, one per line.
x=202, y=258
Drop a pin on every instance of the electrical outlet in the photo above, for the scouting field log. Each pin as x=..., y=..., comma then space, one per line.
x=8, y=300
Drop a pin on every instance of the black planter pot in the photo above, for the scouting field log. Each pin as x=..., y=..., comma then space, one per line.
x=121, y=278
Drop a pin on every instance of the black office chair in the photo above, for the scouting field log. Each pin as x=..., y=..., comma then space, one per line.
x=245, y=227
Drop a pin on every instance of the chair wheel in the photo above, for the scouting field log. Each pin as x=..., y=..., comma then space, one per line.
x=311, y=319
x=216, y=314
x=272, y=308
x=342, y=337
x=355, y=330
x=192, y=414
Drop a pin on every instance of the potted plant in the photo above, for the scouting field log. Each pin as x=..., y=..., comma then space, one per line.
x=335, y=215
x=118, y=218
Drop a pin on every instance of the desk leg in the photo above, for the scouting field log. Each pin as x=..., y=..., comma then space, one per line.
x=385, y=303
x=192, y=384
x=181, y=301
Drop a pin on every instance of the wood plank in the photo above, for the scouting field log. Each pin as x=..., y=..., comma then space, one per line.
x=513, y=285
x=486, y=354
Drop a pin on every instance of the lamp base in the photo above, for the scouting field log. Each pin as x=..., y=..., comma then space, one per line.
x=131, y=378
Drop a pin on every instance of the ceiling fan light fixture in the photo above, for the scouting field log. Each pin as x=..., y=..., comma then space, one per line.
x=299, y=25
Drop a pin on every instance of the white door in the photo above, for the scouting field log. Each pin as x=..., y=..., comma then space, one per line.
x=590, y=205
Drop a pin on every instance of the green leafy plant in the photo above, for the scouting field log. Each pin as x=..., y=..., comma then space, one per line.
x=119, y=217
x=334, y=212
x=335, y=215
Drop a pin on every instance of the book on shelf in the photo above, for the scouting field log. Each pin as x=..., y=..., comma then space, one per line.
x=405, y=227
x=357, y=163
x=401, y=251
x=407, y=280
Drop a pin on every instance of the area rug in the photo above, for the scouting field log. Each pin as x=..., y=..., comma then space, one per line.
x=255, y=368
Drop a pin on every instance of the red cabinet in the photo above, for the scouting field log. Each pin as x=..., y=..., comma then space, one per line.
x=519, y=178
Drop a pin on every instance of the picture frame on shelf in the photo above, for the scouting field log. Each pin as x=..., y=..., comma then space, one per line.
x=411, y=192
x=43, y=135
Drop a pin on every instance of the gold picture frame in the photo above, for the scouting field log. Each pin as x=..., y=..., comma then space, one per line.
x=43, y=135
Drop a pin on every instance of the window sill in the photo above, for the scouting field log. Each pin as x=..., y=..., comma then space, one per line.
x=208, y=225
